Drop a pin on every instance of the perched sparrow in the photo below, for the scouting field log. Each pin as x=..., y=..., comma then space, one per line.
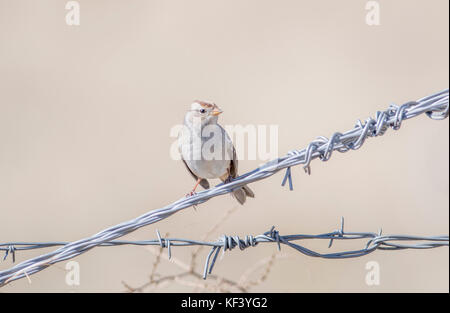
x=207, y=150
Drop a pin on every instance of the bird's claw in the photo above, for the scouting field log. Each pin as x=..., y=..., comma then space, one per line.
x=228, y=180
x=190, y=194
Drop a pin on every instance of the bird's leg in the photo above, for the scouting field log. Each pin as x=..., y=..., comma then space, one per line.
x=195, y=187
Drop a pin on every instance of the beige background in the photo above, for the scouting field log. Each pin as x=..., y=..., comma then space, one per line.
x=85, y=115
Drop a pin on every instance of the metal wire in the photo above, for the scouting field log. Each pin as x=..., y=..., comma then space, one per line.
x=376, y=241
x=435, y=106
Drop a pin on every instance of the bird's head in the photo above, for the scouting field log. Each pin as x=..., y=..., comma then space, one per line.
x=206, y=113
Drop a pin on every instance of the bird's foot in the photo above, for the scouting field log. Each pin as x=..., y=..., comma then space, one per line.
x=228, y=180
x=190, y=194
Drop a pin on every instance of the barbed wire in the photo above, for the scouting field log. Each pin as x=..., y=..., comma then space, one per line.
x=376, y=241
x=435, y=106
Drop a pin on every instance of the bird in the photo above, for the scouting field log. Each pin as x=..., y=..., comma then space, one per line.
x=207, y=151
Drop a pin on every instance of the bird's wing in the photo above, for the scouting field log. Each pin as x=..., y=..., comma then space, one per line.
x=245, y=191
x=234, y=164
x=234, y=174
x=204, y=183
x=234, y=161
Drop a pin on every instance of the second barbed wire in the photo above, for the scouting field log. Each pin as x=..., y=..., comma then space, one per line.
x=375, y=241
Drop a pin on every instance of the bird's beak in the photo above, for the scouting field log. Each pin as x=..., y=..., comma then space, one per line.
x=216, y=111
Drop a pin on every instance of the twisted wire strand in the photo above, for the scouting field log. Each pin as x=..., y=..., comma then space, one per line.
x=435, y=106
x=227, y=243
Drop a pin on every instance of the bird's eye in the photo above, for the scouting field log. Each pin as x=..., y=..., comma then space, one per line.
x=202, y=111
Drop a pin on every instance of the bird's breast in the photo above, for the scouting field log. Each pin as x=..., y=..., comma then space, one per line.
x=209, y=168
x=207, y=156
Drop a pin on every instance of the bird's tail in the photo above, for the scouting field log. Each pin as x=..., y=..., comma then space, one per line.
x=242, y=193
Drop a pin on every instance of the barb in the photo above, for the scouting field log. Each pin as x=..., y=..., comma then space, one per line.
x=375, y=241
x=435, y=106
